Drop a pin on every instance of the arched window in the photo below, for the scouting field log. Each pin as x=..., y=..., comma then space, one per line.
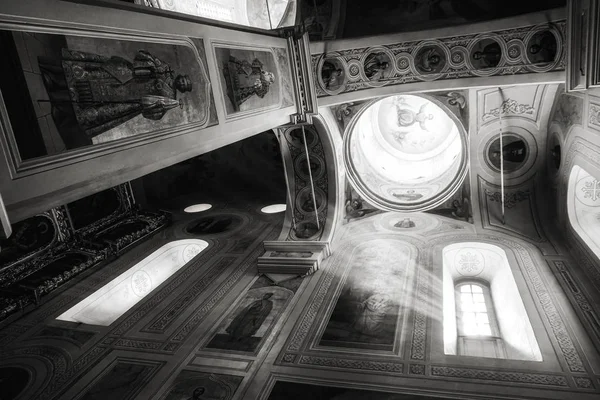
x=583, y=207
x=478, y=332
x=474, y=275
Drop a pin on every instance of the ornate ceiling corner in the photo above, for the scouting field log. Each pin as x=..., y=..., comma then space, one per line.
x=520, y=216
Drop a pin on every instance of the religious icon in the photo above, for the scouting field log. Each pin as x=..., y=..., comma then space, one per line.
x=405, y=223
x=542, y=47
x=74, y=91
x=251, y=80
x=249, y=320
x=488, y=54
x=245, y=79
x=430, y=59
x=332, y=74
x=376, y=65
x=197, y=394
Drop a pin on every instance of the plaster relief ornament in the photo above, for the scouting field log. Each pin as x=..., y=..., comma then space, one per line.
x=588, y=191
x=509, y=106
x=469, y=262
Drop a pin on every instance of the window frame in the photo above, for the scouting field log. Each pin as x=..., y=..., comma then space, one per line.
x=489, y=305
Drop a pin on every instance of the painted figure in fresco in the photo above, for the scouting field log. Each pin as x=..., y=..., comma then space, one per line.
x=354, y=209
x=407, y=117
x=331, y=75
x=250, y=319
x=344, y=111
x=374, y=67
x=490, y=55
x=545, y=48
x=410, y=195
x=104, y=92
x=371, y=314
x=429, y=61
x=405, y=223
x=197, y=394
x=305, y=231
x=514, y=152
x=461, y=210
x=245, y=80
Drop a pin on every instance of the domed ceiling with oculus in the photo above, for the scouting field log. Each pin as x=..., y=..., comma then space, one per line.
x=405, y=153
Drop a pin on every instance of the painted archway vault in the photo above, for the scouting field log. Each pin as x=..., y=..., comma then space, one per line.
x=405, y=153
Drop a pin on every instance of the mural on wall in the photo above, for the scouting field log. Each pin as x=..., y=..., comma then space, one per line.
x=356, y=207
x=458, y=206
x=73, y=91
x=253, y=79
x=299, y=391
x=473, y=55
x=567, y=111
x=123, y=381
x=368, y=306
x=246, y=328
x=193, y=385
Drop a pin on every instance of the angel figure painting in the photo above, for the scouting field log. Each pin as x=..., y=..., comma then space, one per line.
x=250, y=79
x=75, y=91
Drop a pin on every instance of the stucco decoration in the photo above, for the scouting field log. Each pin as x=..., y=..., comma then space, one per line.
x=524, y=50
x=405, y=153
x=583, y=205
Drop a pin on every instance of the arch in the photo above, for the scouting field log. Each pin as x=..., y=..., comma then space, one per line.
x=583, y=207
x=487, y=266
x=108, y=303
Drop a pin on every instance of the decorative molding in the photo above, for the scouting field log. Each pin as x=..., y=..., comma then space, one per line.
x=513, y=377
x=162, y=321
x=417, y=369
x=406, y=60
x=368, y=365
x=510, y=199
x=508, y=107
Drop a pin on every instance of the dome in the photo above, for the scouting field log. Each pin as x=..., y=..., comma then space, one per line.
x=405, y=153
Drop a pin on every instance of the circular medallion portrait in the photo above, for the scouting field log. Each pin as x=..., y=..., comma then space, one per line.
x=316, y=165
x=430, y=60
x=213, y=224
x=296, y=137
x=514, y=152
x=332, y=74
x=306, y=230
x=377, y=66
x=305, y=203
x=542, y=48
x=486, y=54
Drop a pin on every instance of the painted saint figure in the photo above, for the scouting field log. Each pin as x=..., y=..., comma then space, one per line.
x=331, y=75
x=250, y=319
x=244, y=80
x=197, y=394
x=429, y=60
x=490, y=55
x=407, y=117
x=545, y=48
x=354, y=209
x=103, y=92
x=374, y=67
x=371, y=314
x=405, y=223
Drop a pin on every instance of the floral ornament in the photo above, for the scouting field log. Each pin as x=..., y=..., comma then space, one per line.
x=591, y=190
x=510, y=199
x=514, y=51
x=509, y=106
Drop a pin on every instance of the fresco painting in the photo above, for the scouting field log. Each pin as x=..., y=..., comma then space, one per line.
x=253, y=80
x=193, y=385
x=77, y=91
x=246, y=328
x=367, y=309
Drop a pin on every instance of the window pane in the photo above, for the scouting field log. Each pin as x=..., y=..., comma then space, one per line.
x=476, y=289
x=482, y=318
x=465, y=288
x=479, y=307
x=466, y=298
x=478, y=298
x=485, y=330
x=468, y=307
